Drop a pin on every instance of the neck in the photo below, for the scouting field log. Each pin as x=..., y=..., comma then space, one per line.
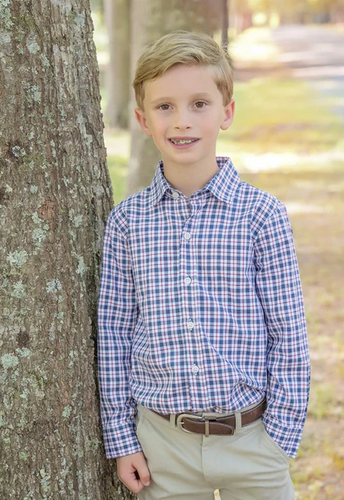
x=190, y=178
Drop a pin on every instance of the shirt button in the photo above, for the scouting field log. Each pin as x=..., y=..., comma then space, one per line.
x=195, y=369
x=175, y=194
x=191, y=325
x=188, y=280
x=187, y=236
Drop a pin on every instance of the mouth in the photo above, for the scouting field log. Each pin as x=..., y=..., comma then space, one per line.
x=185, y=141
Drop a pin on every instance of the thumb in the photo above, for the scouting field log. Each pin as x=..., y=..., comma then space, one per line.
x=143, y=471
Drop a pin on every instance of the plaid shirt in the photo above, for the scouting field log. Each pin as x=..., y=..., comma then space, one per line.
x=201, y=308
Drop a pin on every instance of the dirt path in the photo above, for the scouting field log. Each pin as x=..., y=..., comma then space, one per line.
x=314, y=54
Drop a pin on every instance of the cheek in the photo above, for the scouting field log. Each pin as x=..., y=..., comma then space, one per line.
x=212, y=127
x=157, y=126
x=212, y=120
x=219, y=122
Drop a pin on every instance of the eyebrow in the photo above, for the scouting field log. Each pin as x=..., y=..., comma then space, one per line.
x=200, y=95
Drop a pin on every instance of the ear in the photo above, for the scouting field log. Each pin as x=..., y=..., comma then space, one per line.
x=229, y=115
x=140, y=117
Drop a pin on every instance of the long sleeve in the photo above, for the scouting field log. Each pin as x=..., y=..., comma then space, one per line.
x=117, y=316
x=288, y=368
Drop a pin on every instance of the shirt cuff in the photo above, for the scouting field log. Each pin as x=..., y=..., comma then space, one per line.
x=288, y=439
x=121, y=441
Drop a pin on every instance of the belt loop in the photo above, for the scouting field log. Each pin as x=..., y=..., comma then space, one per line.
x=237, y=421
x=206, y=427
x=173, y=420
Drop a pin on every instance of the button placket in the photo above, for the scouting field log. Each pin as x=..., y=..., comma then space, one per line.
x=188, y=306
x=189, y=269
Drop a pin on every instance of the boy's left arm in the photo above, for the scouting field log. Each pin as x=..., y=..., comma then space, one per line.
x=279, y=289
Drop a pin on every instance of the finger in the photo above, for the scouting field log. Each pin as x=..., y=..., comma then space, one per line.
x=132, y=483
x=143, y=471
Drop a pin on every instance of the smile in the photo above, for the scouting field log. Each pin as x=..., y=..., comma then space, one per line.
x=183, y=141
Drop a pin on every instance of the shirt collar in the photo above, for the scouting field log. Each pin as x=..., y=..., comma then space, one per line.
x=222, y=185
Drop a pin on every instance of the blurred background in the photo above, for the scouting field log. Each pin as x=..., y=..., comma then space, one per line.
x=287, y=138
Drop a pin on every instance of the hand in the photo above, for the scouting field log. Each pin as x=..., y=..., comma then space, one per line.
x=132, y=470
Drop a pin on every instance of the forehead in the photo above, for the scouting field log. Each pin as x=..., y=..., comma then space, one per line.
x=180, y=81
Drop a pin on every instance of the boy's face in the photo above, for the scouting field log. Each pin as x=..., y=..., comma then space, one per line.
x=181, y=105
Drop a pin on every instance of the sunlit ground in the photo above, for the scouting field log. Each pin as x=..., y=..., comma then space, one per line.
x=254, y=46
x=286, y=140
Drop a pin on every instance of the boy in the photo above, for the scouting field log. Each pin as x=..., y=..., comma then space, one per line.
x=203, y=353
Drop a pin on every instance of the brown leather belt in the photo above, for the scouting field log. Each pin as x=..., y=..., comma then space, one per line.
x=222, y=426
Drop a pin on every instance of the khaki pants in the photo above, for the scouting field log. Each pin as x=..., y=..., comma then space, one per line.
x=246, y=466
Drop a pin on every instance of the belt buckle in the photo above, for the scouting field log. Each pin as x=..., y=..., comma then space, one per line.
x=179, y=421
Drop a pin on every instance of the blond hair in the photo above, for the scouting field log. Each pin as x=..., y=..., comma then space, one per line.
x=183, y=47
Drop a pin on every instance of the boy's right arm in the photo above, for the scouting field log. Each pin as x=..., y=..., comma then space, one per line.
x=117, y=317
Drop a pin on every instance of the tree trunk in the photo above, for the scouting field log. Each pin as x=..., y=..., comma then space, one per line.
x=143, y=153
x=55, y=195
x=225, y=24
x=151, y=19
x=117, y=15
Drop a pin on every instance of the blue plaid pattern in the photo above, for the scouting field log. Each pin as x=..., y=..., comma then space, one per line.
x=201, y=308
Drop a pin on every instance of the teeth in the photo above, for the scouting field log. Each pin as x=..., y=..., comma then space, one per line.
x=182, y=141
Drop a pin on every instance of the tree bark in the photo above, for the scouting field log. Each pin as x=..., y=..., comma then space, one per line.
x=55, y=195
x=151, y=19
x=117, y=15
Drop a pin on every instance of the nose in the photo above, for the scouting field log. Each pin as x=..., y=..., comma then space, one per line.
x=182, y=120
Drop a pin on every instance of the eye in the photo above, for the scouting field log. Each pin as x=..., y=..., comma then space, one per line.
x=164, y=107
x=200, y=104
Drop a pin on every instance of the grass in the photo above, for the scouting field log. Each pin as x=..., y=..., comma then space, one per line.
x=281, y=115
x=118, y=172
